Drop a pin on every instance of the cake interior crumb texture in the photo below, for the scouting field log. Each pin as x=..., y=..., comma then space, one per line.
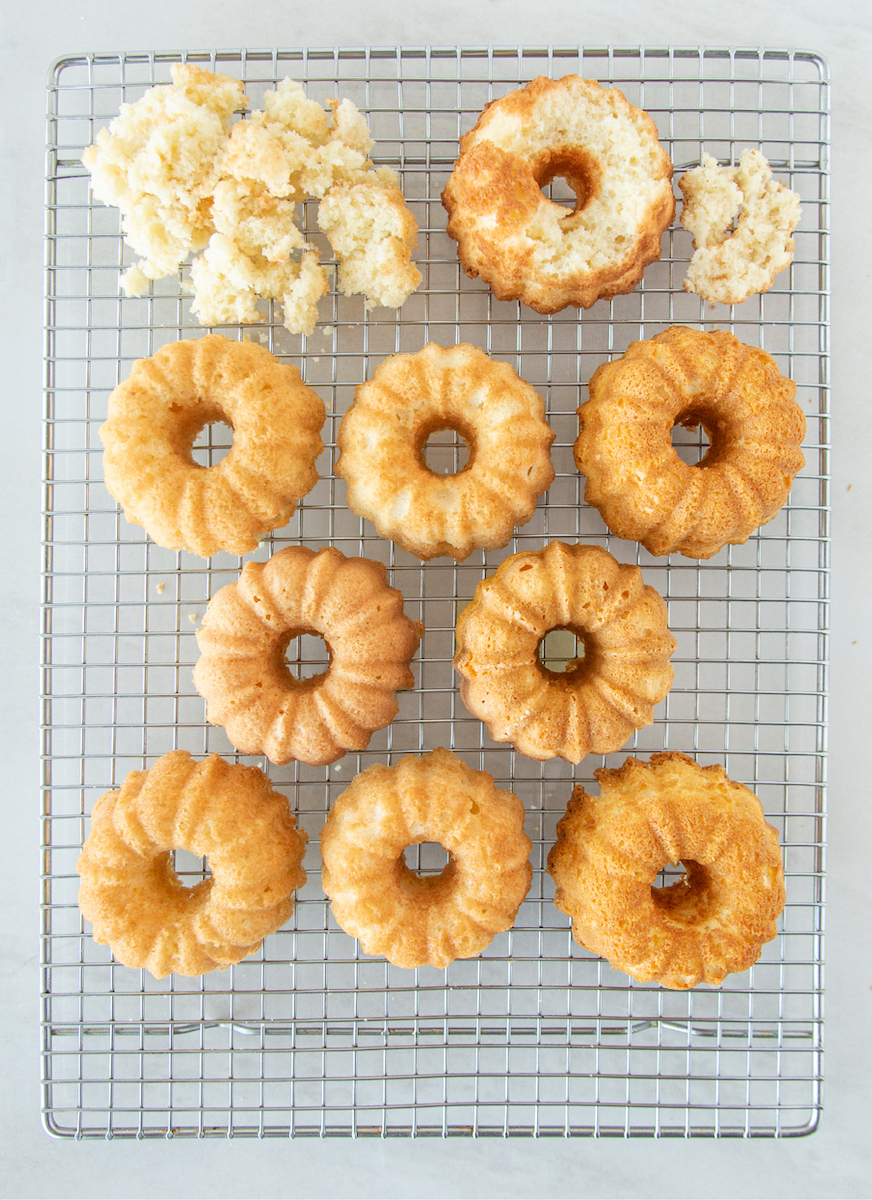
x=742, y=221
x=190, y=179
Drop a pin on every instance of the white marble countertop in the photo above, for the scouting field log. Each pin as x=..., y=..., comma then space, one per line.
x=836, y=1160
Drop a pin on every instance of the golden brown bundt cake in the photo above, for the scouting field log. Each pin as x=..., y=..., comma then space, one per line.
x=526, y=247
x=635, y=477
x=241, y=671
x=229, y=814
x=157, y=412
x=596, y=704
x=382, y=440
x=414, y=920
x=611, y=847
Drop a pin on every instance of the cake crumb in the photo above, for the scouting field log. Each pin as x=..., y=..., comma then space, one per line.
x=373, y=235
x=742, y=221
x=160, y=588
x=189, y=179
x=134, y=281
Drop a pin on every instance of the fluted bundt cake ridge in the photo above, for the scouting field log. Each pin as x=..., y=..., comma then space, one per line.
x=227, y=813
x=635, y=477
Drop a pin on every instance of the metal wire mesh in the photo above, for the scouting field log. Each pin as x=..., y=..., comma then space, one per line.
x=536, y=1036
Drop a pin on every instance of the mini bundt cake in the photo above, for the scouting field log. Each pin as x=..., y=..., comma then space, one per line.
x=229, y=814
x=384, y=432
x=412, y=919
x=611, y=847
x=635, y=477
x=596, y=704
x=526, y=247
x=157, y=412
x=241, y=671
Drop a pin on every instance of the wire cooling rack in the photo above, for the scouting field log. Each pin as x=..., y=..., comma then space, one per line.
x=310, y=1036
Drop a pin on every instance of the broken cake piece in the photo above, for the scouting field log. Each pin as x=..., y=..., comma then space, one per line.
x=190, y=179
x=742, y=221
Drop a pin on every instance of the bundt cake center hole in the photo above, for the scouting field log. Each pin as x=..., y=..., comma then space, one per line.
x=447, y=449
x=212, y=443
x=426, y=868
x=683, y=889
x=562, y=653
x=190, y=869
x=427, y=860
x=691, y=440
x=305, y=657
x=568, y=178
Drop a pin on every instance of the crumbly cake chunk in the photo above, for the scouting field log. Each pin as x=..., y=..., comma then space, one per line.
x=373, y=235
x=188, y=180
x=157, y=163
x=741, y=220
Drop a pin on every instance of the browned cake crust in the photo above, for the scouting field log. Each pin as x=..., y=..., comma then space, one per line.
x=526, y=247
x=596, y=704
x=157, y=412
x=382, y=440
x=411, y=919
x=642, y=488
x=241, y=671
x=230, y=815
x=611, y=847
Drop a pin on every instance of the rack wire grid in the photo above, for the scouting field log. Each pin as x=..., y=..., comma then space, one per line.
x=536, y=1036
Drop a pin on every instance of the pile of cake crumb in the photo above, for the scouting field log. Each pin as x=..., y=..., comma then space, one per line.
x=189, y=178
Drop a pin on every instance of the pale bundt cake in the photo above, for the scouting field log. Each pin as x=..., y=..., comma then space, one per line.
x=635, y=477
x=241, y=671
x=730, y=264
x=526, y=247
x=131, y=894
x=412, y=919
x=596, y=704
x=157, y=412
x=611, y=847
x=382, y=440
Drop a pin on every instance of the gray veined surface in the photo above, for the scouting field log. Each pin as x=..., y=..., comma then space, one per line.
x=536, y=1037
